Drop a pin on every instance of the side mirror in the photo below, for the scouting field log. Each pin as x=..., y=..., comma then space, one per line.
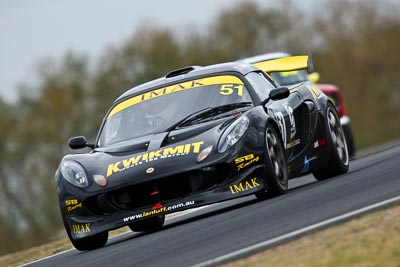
x=79, y=142
x=314, y=77
x=276, y=94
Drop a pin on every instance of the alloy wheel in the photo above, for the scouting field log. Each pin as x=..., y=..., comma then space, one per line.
x=337, y=136
x=276, y=155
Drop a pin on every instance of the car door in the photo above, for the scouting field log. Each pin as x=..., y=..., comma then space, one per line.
x=291, y=113
x=288, y=114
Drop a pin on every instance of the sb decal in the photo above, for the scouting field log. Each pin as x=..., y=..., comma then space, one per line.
x=72, y=204
x=245, y=161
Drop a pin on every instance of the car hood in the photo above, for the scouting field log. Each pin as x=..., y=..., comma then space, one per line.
x=150, y=157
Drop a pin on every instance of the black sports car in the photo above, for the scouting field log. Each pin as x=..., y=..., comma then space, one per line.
x=197, y=136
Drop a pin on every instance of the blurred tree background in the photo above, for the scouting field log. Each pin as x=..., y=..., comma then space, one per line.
x=355, y=45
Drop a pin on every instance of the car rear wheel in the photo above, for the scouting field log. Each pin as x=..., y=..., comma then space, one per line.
x=338, y=162
x=275, y=166
x=150, y=224
x=349, y=140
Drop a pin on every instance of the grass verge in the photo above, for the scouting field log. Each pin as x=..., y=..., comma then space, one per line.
x=370, y=240
x=39, y=252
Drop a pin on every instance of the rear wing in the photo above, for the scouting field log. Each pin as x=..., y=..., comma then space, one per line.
x=284, y=64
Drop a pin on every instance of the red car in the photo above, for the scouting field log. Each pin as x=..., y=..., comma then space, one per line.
x=332, y=91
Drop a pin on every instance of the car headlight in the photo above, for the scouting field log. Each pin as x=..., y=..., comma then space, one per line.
x=74, y=173
x=234, y=132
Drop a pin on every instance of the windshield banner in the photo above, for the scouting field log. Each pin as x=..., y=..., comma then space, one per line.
x=225, y=79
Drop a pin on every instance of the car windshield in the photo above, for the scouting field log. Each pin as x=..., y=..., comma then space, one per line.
x=289, y=77
x=166, y=108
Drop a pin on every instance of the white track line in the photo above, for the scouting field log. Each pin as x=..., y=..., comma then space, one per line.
x=45, y=258
x=298, y=232
x=65, y=251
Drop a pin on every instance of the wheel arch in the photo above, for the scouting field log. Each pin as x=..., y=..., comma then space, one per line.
x=324, y=102
x=274, y=124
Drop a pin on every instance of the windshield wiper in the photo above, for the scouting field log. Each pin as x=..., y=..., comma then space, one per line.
x=207, y=113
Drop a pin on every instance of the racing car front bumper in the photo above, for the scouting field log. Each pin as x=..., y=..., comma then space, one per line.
x=82, y=223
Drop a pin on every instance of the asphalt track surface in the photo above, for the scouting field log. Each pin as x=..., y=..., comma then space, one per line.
x=206, y=235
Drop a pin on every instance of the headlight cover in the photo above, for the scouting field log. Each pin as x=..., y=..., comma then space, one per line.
x=74, y=173
x=233, y=134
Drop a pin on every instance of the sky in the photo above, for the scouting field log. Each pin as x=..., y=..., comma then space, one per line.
x=31, y=31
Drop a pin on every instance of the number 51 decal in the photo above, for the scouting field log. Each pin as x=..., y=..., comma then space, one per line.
x=228, y=89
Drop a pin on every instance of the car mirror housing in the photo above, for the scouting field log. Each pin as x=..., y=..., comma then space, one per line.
x=78, y=142
x=277, y=94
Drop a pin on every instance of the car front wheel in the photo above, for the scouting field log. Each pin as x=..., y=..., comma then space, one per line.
x=90, y=242
x=275, y=166
x=85, y=243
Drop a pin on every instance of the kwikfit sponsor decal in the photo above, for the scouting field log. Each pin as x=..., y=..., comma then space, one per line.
x=158, y=210
x=167, y=152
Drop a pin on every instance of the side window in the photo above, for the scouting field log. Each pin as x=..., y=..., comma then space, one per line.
x=270, y=79
x=260, y=84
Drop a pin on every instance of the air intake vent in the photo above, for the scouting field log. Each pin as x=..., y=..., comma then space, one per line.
x=181, y=71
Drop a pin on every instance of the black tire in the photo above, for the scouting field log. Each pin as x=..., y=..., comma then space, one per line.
x=275, y=166
x=349, y=140
x=338, y=162
x=150, y=224
x=86, y=243
x=90, y=242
